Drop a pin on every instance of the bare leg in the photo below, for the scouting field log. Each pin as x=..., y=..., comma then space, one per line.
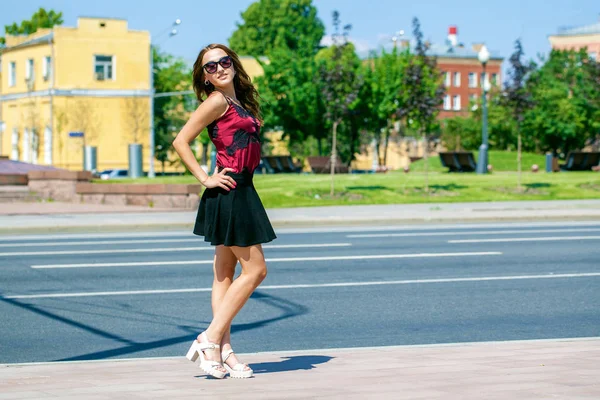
x=224, y=271
x=254, y=271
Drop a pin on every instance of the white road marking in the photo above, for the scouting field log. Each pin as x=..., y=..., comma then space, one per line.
x=312, y=286
x=12, y=238
x=100, y=242
x=360, y=228
x=534, y=239
x=448, y=233
x=163, y=250
x=292, y=259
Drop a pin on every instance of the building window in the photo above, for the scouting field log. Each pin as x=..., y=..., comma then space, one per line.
x=47, y=67
x=48, y=146
x=457, y=102
x=15, y=144
x=472, y=80
x=457, y=79
x=473, y=98
x=103, y=68
x=29, y=71
x=26, y=145
x=12, y=74
x=495, y=80
x=447, y=105
x=447, y=79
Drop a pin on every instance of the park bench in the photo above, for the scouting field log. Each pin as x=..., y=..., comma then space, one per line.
x=458, y=161
x=321, y=165
x=581, y=161
x=289, y=165
x=279, y=164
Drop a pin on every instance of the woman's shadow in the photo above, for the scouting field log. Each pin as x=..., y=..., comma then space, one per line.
x=294, y=363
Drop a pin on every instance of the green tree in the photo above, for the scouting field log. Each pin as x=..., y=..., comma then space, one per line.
x=566, y=93
x=40, y=19
x=517, y=97
x=270, y=24
x=291, y=98
x=424, y=92
x=343, y=58
x=382, y=95
x=340, y=84
x=461, y=133
x=170, y=112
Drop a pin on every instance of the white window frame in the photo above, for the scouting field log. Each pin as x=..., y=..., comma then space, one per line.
x=12, y=73
x=26, y=145
x=47, y=67
x=15, y=144
x=472, y=80
x=447, y=102
x=456, y=102
x=30, y=70
x=485, y=78
x=495, y=80
x=456, y=79
x=47, y=146
x=105, y=65
x=447, y=80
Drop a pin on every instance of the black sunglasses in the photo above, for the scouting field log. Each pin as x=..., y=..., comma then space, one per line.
x=211, y=66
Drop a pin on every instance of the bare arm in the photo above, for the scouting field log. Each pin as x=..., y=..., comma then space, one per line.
x=207, y=112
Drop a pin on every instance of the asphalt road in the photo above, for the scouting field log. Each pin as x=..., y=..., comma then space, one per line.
x=129, y=295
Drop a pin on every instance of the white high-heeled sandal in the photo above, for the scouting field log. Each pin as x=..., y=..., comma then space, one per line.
x=239, y=370
x=208, y=366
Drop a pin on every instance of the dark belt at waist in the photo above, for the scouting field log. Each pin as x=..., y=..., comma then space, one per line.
x=244, y=178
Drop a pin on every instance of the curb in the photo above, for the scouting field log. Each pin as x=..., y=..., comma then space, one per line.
x=299, y=224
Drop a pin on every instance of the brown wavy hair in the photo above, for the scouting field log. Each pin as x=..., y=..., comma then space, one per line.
x=245, y=91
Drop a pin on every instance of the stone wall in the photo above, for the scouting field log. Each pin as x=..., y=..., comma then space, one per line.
x=152, y=195
x=13, y=180
x=57, y=185
x=76, y=187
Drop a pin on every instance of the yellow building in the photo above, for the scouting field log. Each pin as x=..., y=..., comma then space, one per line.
x=587, y=37
x=93, y=78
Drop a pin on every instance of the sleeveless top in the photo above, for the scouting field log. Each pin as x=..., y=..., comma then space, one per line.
x=236, y=137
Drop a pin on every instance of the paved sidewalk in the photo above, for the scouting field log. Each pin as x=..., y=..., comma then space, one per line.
x=28, y=217
x=558, y=369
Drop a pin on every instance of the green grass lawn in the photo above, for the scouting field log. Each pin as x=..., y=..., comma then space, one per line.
x=290, y=190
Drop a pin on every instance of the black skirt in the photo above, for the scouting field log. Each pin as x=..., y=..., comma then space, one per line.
x=233, y=218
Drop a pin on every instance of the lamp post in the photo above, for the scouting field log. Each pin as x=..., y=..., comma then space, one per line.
x=397, y=36
x=173, y=32
x=482, y=160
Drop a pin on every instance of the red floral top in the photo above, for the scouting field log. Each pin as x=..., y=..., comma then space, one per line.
x=236, y=138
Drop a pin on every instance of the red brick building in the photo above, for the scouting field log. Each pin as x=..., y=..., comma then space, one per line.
x=463, y=73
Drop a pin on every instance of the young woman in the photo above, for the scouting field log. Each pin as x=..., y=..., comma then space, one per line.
x=231, y=215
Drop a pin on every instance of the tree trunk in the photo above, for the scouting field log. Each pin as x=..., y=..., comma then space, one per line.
x=425, y=151
x=385, y=147
x=205, y=154
x=519, y=161
x=333, y=155
x=354, y=138
x=163, y=167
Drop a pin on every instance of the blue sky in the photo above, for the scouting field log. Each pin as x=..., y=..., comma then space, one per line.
x=496, y=23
